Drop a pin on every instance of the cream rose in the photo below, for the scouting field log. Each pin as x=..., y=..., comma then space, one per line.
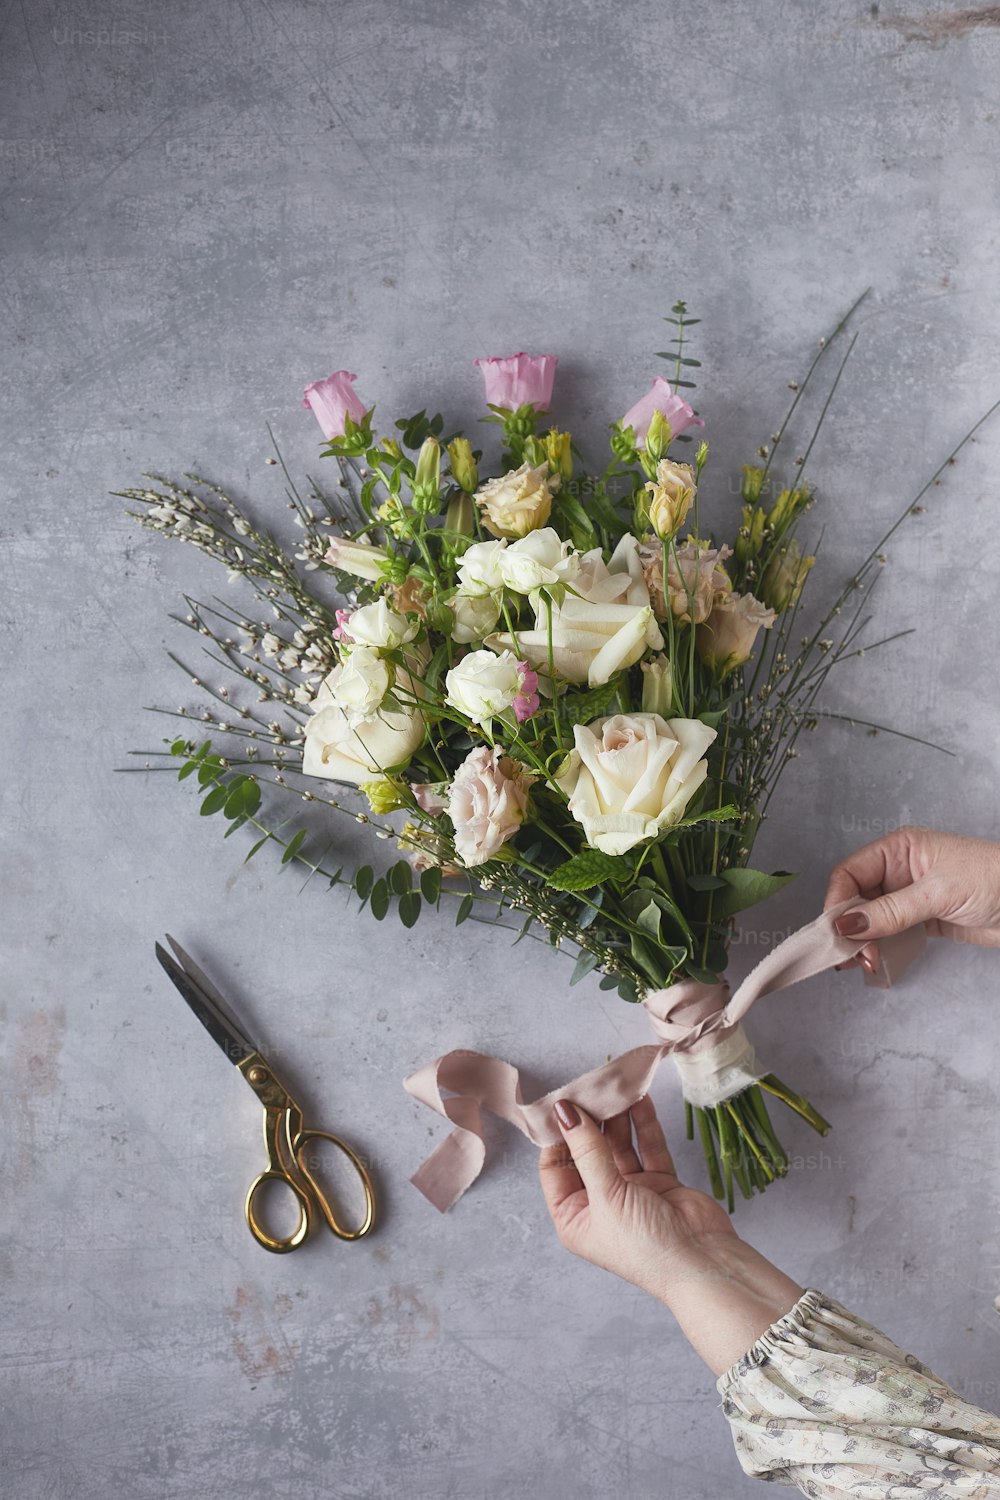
x=344, y=748
x=475, y=615
x=362, y=682
x=632, y=775
x=606, y=624
x=517, y=502
x=484, y=684
x=479, y=570
x=540, y=560
x=379, y=625
x=487, y=804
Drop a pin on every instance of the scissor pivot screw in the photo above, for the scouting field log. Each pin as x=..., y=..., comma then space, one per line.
x=257, y=1075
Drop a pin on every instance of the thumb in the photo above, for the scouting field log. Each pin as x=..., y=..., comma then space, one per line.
x=891, y=913
x=590, y=1150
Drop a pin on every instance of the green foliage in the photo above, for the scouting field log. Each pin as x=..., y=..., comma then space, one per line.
x=588, y=869
x=747, y=888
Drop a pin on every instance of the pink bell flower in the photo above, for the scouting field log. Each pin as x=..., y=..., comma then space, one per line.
x=661, y=398
x=519, y=380
x=331, y=399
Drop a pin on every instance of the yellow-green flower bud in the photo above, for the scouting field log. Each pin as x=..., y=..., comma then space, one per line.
x=463, y=464
x=459, y=517
x=658, y=436
x=753, y=483
x=427, y=480
x=671, y=495
x=657, y=687
x=558, y=453
x=383, y=796
x=534, y=452
x=750, y=537
x=789, y=504
x=392, y=448
x=785, y=576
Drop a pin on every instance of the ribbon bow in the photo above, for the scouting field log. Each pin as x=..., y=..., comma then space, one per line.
x=699, y=1024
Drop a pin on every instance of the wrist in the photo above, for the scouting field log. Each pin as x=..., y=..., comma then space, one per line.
x=724, y=1295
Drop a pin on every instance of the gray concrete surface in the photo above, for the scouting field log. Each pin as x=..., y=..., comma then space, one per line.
x=207, y=205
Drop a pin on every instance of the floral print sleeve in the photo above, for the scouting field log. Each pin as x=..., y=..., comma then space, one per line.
x=826, y=1402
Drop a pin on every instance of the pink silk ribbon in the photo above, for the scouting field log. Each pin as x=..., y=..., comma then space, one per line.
x=686, y=1017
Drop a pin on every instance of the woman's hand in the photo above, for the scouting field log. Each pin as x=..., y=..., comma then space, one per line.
x=950, y=884
x=620, y=1205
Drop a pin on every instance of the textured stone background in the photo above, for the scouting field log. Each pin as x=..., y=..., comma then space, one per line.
x=207, y=205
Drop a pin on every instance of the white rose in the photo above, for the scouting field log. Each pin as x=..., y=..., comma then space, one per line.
x=517, y=502
x=590, y=641
x=340, y=748
x=379, y=625
x=363, y=680
x=475, y=616
x=483, y=684
x=539, y=560
x=479, y=570
x=632, y=775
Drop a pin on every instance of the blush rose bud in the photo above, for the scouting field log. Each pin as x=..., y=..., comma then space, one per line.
x=727, y=637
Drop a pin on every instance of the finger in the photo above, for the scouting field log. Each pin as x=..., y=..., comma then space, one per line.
x=618, y=1132
x=651, y=1141
x=590, y=1151
x=559, y=1178
x=892, y=912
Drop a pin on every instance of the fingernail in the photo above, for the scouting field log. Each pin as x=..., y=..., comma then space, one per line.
x=867, y=964
x=852, y=923
x=567, y=1114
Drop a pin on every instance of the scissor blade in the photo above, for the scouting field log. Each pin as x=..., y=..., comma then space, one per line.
x=220, y=1028
x=208, y=989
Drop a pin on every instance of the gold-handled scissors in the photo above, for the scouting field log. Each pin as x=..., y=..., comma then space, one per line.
x=285, y=1139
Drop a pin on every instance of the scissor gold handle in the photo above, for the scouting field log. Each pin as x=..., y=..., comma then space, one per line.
x=320, y=1200
x=260, y=1234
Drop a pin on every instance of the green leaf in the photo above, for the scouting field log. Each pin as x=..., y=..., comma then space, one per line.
x=186, y=770
x=709, y=815
x=747, y=888
x=580, y=708
x=430, y=883
x=259, y=845
x=628, y=989
x=251, y=796
x=706, y=882
x=238, y=821
x=574, y=519
x=293, y=846
x=608, y=982
x=648, y=921
x=587, y=869
x=584, y=965
x=379, y=900
x=214, y=801
x=364, y=879
x=401, y=877
x=409, y=907
x=464, y=910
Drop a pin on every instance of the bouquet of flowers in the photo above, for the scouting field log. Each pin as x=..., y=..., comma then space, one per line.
x=562, y=699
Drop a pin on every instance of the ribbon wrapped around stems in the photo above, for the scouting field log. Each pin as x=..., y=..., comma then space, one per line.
x=698, y=1024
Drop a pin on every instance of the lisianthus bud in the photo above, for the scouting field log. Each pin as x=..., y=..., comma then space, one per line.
x=789, y=505
x=383, y=795
x=459, y=516
x=463, y=464
x=785, y=576
x=750, y=537
x=658, y=436
x=753, y=483
x=427, y=480
x=357, y=558
x=671, y=495
x=657, y=686
x=727, y=637
x=559, y=453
